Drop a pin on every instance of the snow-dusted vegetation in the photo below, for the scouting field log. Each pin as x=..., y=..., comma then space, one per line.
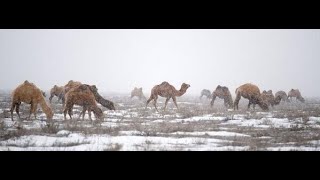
x=194, y=126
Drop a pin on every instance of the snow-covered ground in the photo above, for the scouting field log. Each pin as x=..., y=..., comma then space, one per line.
x=194, y=126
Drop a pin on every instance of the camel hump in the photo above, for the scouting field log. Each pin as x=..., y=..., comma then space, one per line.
x=164, y=82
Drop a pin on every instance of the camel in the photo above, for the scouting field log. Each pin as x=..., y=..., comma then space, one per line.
x=223, y=93
x=206, y=92
x=56, y=91
x=30, y=94
x=280, y=96
x=295, y=93
x=168, y=91
x=251, y=92
x=81, y=95
x=138, y=92
x=268, y=97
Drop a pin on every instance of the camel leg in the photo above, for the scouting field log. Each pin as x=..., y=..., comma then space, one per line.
x=70, y=111
x=50, y=98
x=151, y=97
x=13, y=106
x=65, y=112
x=250, y=102
x=236, y=102
x=33, y=110
x=175, y=101
x=226, y=104
x=212, y=101
x=155, y=102
x=165, y=104
x=89, y=113
x=83, y=112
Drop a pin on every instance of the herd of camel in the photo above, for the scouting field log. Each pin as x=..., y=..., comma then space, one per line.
x=87, y=96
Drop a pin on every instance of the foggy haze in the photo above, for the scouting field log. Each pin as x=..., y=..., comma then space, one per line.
x=116, y=61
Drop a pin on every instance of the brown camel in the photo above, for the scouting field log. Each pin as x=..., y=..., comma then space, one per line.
x=138, y=92
x=81, y=95
x=206, y=92
x=251, y=92
x=56, y=91
x=223, y=93
x=295, y=93
x=30, y=94
x=168, y=91
x=268, y=97
x=280, y=96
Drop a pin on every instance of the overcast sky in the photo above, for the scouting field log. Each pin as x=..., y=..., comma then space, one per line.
x=118, y=60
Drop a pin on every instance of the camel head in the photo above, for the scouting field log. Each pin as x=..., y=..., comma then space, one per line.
x=185, y=86
x=98, y=113
x=263, y=103
x=111, y=106
x=277, y=100
x=93, y=88
x=50, y=115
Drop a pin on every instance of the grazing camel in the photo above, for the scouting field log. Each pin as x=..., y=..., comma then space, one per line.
x=206, y=92
x=223, y=93
x=168, y=91
x=81, y=95
x=30, y=94
x=138, y=92
x=280, y=96
x=56, y=91
x=268, y=97
x=251, y=92
x=295, y=93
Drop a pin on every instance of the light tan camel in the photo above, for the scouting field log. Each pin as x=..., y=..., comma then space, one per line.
x=168, y=91
x=56, y=91
x=30, y=94
x=280, y=96
x=223, y=93
x=138, y=92
x=81, y=95
x=252, y=93
x=295, y=93
x=268, y=97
